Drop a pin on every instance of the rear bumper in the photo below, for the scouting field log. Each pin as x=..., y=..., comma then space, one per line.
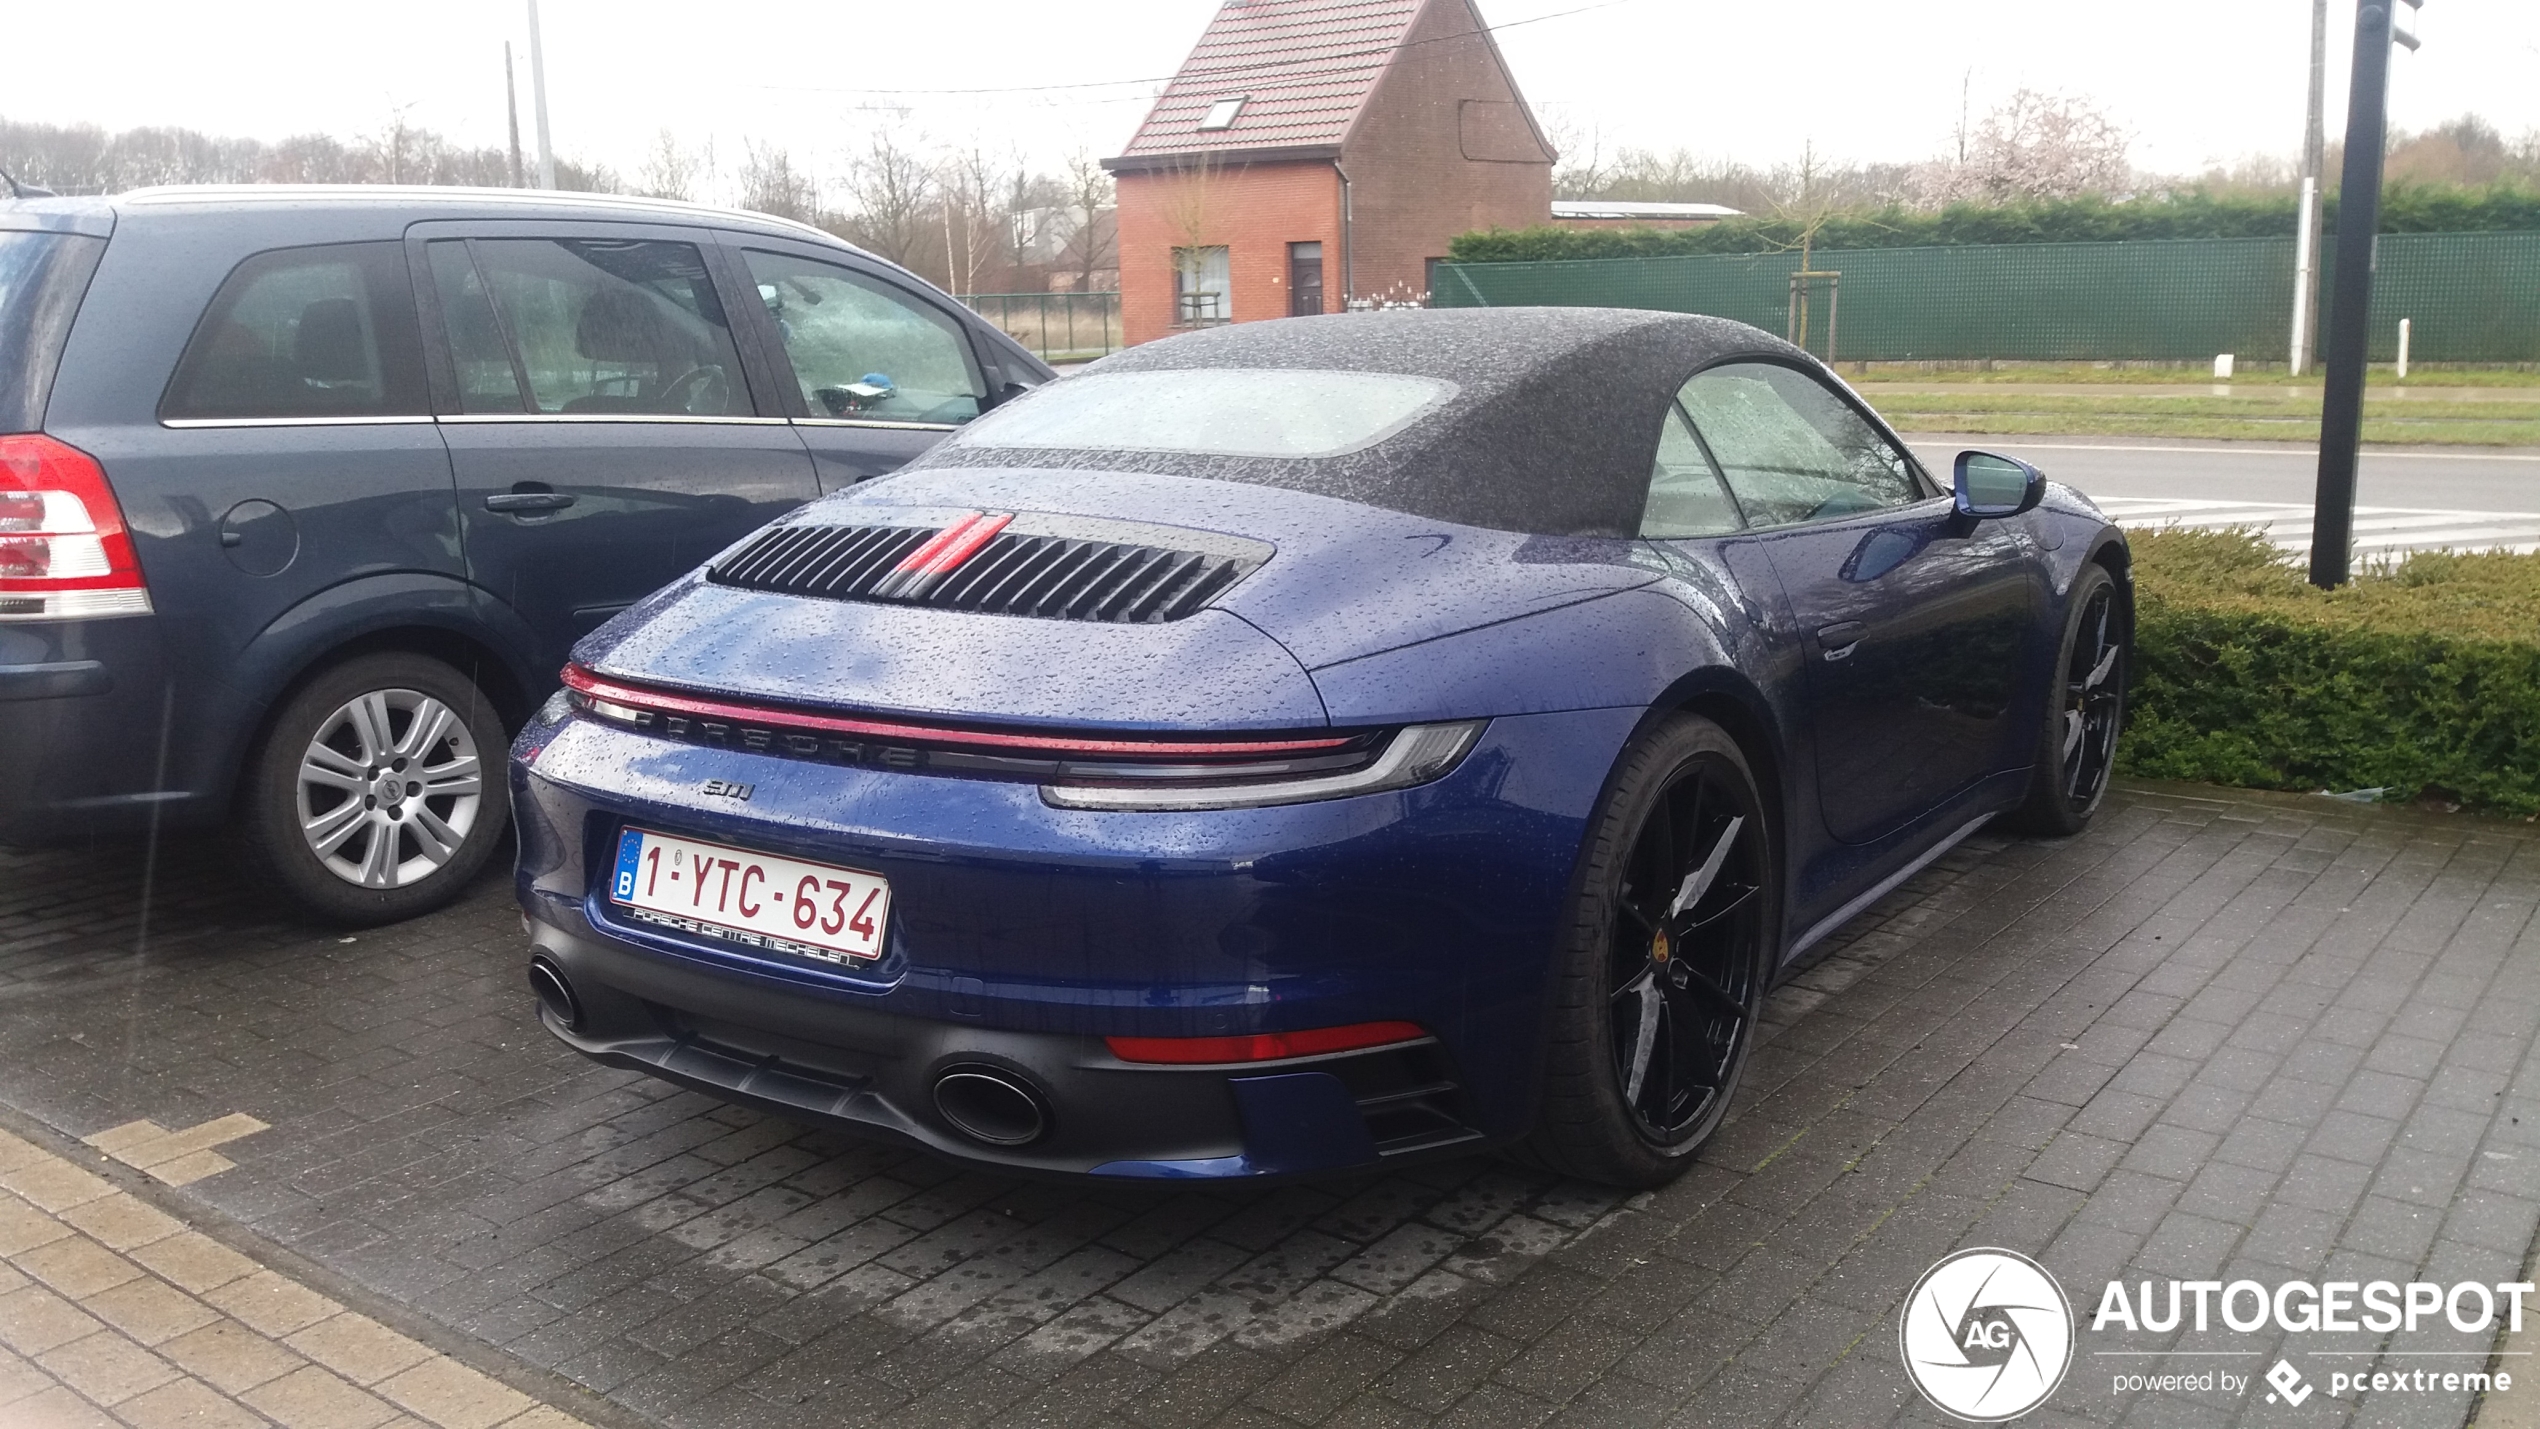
x=1021, y=936
x=874, y=1073
x=80, y=736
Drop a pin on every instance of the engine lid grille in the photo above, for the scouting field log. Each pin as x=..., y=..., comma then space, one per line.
x=1049, y=567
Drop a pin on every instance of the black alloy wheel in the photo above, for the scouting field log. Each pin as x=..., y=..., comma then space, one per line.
x=1657, y=1009
x=2085, y=712
x=1682, y=962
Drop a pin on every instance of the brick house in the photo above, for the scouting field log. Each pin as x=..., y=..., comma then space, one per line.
x=1315, y=152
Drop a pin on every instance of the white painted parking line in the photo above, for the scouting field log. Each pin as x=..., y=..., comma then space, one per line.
x=2379, y=530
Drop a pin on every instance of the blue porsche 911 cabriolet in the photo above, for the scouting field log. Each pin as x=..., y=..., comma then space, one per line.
x=1291, y=748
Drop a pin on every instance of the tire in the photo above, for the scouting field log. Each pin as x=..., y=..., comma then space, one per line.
x=335, y=820
x=1660, y=977
x=2085, y=712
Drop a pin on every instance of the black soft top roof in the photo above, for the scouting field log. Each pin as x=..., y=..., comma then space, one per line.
x=1552, y=431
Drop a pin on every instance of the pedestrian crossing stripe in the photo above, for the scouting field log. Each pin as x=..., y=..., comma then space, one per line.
x=2379, y=530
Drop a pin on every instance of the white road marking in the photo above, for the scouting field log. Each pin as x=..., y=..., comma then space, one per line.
x=2379, y=530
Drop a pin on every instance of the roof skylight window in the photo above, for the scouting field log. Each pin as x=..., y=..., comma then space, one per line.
x=1221, y=115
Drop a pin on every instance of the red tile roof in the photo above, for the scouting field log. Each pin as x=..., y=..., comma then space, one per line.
x=1303, y=67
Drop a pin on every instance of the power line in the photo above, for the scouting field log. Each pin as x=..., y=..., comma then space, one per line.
x=1236, y=72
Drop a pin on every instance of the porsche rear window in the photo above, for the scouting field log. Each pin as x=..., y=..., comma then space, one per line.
x=1215, y=411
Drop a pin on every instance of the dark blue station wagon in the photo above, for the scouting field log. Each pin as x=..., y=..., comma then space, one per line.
x=306, y=493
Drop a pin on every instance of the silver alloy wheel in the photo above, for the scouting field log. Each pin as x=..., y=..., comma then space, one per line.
x=388, y=788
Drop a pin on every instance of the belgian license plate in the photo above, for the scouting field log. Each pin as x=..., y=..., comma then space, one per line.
x=813, y=910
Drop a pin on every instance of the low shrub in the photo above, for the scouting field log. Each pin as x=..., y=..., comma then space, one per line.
x=2422, y=677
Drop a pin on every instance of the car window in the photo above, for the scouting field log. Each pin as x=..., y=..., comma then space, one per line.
x=1685, y=496
x=1790, y=449
x=591, y=326
x=481, y=360
x=305, y=332
x=860, y=349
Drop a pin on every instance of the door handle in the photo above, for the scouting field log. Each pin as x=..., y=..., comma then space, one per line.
x=528, y=501
x=1840, y=639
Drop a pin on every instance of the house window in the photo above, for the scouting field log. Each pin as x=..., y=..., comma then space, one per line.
x=1202, y=295
x=1305, y=279
x=1221, y=115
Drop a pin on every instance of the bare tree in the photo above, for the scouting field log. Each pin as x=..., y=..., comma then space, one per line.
x=1093, y=200
x=772, y=183
x=1582, y=170
x=893, y=190
x=82, y=158
x=965, y=188
x=673, y=170
x=395, y=149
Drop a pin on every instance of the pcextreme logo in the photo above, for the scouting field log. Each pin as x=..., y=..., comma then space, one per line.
x=1986, y=1335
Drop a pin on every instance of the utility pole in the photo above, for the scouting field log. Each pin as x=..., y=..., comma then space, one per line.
x=2350, y=300
x=538, y=100
x=2306, y=278
x=511, y=111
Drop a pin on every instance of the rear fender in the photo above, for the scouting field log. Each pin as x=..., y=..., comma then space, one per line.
x=1621, y=651
x=234, y=713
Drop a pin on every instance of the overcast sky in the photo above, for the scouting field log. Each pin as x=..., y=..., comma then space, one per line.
x=1862, y=79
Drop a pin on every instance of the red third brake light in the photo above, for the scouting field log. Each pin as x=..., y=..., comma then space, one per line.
x=64, y=553
x=1265, y=1046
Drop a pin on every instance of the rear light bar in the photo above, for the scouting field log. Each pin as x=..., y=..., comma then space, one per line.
x=1139, y=775
x=64, y=553
x=1264, y=1046
x=624, y=703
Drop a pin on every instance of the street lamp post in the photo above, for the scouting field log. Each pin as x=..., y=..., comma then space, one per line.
x=2306, y=273
x=538, y=98
x=2350, y=298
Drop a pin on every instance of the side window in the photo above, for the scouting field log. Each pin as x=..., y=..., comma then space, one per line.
x=861, y=349
x=305, y=332
x=488, y=381
x=1685, y=497
x=1791, y=450
x=589, y=326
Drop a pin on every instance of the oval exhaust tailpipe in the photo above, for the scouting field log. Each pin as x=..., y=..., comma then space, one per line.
x=991, y=1106
x=555, y=993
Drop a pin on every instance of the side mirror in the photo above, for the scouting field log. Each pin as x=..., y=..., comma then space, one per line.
x=1988, y=486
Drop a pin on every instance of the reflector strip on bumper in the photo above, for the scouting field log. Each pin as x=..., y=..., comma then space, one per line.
x=1265, y=1046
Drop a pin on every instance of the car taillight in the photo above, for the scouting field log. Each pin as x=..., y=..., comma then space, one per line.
x=64, y=553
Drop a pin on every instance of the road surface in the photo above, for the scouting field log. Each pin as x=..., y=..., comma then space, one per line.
x=2413, y=499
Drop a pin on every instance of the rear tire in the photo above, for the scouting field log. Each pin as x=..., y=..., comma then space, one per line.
x=378, y=792
x=2085, y=712
x=1661, y=973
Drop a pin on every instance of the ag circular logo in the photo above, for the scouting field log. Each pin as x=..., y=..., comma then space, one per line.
x=1986, y=1335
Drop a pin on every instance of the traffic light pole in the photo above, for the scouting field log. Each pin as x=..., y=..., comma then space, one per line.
x=2350, y=298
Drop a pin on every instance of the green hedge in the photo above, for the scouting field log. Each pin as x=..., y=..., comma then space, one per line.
x=2407, y=208
x=2423, y=678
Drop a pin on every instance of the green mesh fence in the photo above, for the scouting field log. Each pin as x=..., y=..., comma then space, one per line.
x=2471, y=297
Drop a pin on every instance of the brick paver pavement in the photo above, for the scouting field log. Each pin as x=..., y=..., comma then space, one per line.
x=113, y=1313
x=2218, y=1037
